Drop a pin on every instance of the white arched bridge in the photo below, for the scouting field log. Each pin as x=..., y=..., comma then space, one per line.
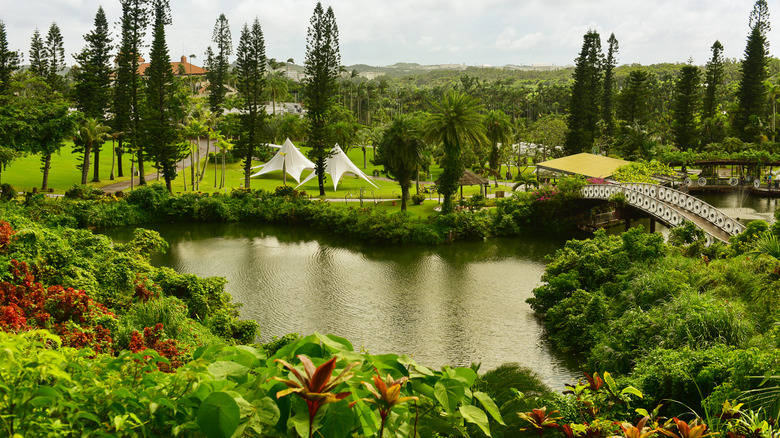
x=671, y=207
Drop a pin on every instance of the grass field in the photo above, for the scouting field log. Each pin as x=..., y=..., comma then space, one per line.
x=26, y=173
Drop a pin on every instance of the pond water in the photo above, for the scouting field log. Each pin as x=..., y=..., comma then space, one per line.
x=741, y=206
x=444, y=305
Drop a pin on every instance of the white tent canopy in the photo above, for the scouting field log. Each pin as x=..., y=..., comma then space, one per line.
x=288, y=158
x=336, y=166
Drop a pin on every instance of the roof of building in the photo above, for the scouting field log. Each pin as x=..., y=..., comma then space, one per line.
x=189, y=68
x=590, y=165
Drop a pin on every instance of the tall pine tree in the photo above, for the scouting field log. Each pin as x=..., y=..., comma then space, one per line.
x=161, y=138
x=714, y=77
x=250, y=69
x=322, y=69
x=38, y=61
x=751, y=93
x=607, y=106
x=92, y=88
x=9, y=61
x=127, y=89
x=219, y=64
x=93, y=79
x=686, y=102
x=55, y=58
x=584, y=111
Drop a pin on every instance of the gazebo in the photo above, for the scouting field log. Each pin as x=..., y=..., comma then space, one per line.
x=470, y=178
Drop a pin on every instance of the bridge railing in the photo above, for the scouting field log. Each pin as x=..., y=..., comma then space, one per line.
x=647, y=196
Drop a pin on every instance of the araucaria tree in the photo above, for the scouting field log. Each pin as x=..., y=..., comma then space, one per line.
x=9, y=60
x=92, y=88
x=219, y=64
x=55, y=58
x=607, y=100
x=250, y=70
x=160, y=136
x=38, y=55
x=322, y=68
x=751, y=93
x=714, y=78
x=127, y=89
x=456, y=123
x=686, y=102
x=400, y=152
x=585, y=96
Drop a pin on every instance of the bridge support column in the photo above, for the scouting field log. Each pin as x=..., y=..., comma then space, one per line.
x=628, y=224
x=652, y=225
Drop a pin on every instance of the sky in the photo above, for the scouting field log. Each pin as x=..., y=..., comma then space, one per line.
x=384, y=32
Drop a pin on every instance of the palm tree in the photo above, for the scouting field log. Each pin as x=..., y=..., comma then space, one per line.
x=92, y=133
x=114, y=137
x=224, y=145
x=499, y=131
x=276, y=87
x=455, y=124
x=210, y=120
x=400, y=151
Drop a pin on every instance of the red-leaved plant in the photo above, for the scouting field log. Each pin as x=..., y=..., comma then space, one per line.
x=315, y=384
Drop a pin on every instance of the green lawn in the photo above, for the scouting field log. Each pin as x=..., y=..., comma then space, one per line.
x=25, y=173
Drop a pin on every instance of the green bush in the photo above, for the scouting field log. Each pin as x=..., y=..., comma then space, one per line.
x=7, y=192
x=418, y=198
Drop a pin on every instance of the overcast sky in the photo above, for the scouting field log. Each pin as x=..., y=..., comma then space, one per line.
x=383, y=32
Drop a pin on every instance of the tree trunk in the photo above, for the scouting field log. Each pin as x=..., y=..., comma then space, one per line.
x=183, y=173
x=208, y=145
x=364, y=157
x=215, y=168
x=119, y=152
x=222, y=183
x=404, y=195
x=247, y=170
x=85, y=163
x=96, y=164
x=418, y=181
x=192, y=167
x=46, y=166
x=141, y=176
x=113, y=160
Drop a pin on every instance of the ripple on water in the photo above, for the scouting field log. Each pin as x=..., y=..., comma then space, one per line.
x=449, y=305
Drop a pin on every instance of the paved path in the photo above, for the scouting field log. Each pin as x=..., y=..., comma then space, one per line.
x=154, y=176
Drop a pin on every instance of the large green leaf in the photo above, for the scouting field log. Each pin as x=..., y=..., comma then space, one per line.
x=449, y=392
x=334, y=342
x=336, y=421
x=415, y=369
x=475, y=415
x=490, y=406
x=466, y=375
x=218, y=416
x=223, y=370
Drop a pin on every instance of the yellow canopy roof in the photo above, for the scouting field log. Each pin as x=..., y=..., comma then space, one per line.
x=593, y=166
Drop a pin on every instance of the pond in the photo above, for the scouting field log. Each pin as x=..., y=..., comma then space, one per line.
x=444, y=305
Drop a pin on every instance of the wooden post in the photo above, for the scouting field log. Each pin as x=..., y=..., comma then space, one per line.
x=628, y=224
x=652, y=225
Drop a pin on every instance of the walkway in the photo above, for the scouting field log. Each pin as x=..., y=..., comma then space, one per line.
x=671, y=207
x=152, y=176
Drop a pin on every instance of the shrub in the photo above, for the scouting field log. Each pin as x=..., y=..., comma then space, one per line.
x=7, y=192
x=418, y=198
x=83, y=192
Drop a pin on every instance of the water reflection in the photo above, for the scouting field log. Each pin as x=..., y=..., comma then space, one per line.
x=446, y=305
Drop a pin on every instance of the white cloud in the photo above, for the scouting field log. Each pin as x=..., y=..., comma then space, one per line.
x=507, y=40
x=428, y=31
